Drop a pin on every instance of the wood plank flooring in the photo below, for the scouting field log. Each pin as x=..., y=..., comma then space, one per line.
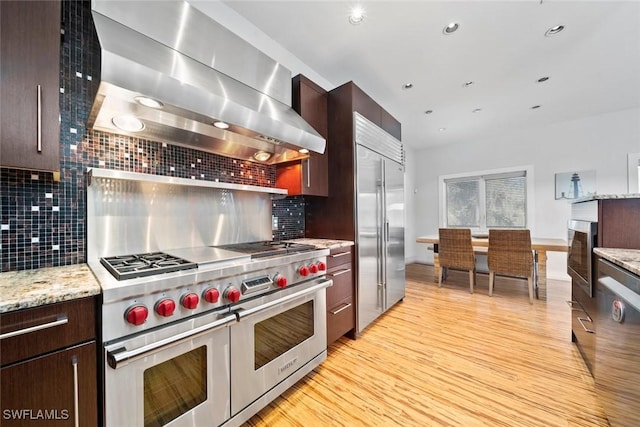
x=444, y=357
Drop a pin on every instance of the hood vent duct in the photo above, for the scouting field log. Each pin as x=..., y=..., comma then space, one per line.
x=172, y=74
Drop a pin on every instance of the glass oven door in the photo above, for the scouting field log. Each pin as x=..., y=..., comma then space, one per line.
x=581, y=236
x=177, y=376
x=274, y=339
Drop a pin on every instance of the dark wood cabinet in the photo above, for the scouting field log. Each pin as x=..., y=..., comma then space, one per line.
x=30, y=90
x=618, y=223
x=340, y=297
x=49, y=365
x=307, y=176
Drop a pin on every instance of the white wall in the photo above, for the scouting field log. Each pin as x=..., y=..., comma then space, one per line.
x=599, y=143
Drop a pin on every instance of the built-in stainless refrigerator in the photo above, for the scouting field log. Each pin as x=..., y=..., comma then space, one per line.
x=380, y=220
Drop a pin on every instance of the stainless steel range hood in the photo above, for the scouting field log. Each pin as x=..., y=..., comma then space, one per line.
x=197, y=73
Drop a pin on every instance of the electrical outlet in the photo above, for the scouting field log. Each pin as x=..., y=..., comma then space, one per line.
x=274, y=222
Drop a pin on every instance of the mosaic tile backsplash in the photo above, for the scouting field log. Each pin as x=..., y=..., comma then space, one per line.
x=43, y=221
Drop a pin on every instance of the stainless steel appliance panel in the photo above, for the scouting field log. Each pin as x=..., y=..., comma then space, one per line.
x=144, y=386
x=128, y=217
x=582, y=237
x=617, y=375
x=273, y=340
x=369, y=238
x=394, y=232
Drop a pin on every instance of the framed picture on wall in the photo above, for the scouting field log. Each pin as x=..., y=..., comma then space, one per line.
x=572, y=185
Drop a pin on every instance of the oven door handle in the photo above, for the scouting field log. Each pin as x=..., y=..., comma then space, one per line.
x=120, y=356
x=241, y=313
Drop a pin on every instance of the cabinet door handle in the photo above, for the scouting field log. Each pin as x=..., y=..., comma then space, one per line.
x=61, y=321
x=338, y=273
x=572, y=303
x=343, y=308
x=39, y=125
x=340, y=254
x=308, y=173
x=581, y=319
x=74, y=362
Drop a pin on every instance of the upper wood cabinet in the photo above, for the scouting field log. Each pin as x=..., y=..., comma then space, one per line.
x=30, y=76
x=307, y=176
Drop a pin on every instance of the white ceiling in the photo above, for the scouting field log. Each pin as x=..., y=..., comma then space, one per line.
x=593, y=65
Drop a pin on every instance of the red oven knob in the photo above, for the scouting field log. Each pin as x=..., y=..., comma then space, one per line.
x=232, y=294
x=190, y=301
x=165, y=307
x=281, y=281
x=136, y=315
x=313, y=268
x=322, y=266
x=303, y=271
x=211, y=295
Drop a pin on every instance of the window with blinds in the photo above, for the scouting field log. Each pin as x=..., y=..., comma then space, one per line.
x=487, y=201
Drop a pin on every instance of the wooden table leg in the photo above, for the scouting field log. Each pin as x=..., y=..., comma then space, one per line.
x=542, y=274
x=436, y=267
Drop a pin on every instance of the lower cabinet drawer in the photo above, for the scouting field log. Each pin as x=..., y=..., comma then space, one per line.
x=342, y=284
x=340, y=319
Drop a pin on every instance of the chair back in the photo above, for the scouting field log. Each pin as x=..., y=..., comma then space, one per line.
x=455, y=249
x=510, y=252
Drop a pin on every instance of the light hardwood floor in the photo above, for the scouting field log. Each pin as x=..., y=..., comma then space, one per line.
x=444, y=357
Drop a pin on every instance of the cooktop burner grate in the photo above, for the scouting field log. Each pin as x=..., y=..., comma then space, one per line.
x=130, y=266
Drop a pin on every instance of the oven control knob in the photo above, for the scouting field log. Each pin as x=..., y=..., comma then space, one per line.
x=211, y=295
x=303, y=271
x=232, y=294
x=280, y=281
x=190, y=301
x=137, y=314
x=313, y=268
x=165, y=307
x=322, y=266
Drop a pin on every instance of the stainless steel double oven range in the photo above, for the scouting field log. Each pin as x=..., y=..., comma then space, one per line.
x=201, y=335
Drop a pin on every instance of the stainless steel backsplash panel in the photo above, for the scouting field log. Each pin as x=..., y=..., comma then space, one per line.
x=127, y=217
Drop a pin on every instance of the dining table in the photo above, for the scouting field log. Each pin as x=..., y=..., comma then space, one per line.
x=539, y=245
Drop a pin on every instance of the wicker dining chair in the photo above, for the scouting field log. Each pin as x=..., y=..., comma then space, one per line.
x=510, y=254
x=455, y=252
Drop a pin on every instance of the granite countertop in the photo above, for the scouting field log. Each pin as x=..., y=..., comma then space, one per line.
x=625, y=258
x=606, y=196
x=324, y=243
x=33, y=288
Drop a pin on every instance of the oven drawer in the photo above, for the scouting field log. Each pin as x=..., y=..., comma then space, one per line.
x=33, y=331
x=342, y=284
x=340, y=319
x=338, y=257
x=583, y=325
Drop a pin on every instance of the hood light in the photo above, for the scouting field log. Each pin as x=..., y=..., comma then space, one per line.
x=148, y=102
x=262, y=156
x=221, y=125
x=128, y=123
x=303, y=151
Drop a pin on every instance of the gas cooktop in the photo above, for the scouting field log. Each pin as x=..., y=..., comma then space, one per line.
x=129, y=266
x=267, y=248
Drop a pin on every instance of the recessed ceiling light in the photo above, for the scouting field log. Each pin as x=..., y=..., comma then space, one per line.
x=357, y=15
x=554, y=30
x=467, y=84
x=451, y=28
x=128, y=123
x=428, y=112
x=148, y=102
x=543, y=79
x=303, y=151
x=407, y=86
x=442, y=129
x=535, y=107
x=262, y=156
x=221, y=125
x=477, y=110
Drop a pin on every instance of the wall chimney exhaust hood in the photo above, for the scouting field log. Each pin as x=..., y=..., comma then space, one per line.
x=172, y=74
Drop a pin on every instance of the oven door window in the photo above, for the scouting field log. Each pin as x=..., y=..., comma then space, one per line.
x=174, y=387
x=278, y=334
x=579, y=254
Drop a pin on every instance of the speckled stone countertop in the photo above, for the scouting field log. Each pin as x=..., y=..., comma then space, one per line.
x=324, y=243
x=625, y=258
x=606, y=196
x=32, y=288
